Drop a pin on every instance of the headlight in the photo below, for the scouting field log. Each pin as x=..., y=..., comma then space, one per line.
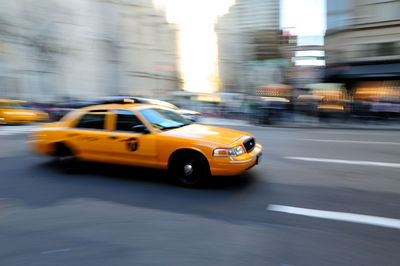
x=238, y=150
x=235, y=151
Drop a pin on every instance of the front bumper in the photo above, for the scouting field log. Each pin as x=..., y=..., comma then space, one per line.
x=236, y=165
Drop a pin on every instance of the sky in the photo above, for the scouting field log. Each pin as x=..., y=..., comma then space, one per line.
x=198, y=42
x=304, y=17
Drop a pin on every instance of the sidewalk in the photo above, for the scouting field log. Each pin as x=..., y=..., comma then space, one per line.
x=217, y=121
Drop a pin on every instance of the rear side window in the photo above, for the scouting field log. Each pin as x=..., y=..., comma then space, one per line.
x=126, y=120
x=92, y=120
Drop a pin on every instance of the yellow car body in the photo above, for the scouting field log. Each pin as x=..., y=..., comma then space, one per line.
x=153, y=148
x=12, y=111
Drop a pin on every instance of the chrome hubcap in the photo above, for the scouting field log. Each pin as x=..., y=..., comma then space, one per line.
x=66, y=158
x=188, y=169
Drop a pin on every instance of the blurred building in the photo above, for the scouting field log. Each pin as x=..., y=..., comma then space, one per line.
x=250, y=46
x=362, y=41
x=148, y=50
x=309, y=61
x=52, y=50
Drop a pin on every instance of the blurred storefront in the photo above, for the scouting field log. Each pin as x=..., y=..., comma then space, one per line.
x=275, y=90
x=363, y=51
x=361, y=71
x=333, y=97
x=324, y=100
x=275, y=103
x=377, y=98
x=383, y=91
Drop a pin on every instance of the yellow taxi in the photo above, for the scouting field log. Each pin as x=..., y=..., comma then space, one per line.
x=14, y=111
x=148, y=136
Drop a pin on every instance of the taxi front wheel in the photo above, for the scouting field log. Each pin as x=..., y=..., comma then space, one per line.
x=189, y=169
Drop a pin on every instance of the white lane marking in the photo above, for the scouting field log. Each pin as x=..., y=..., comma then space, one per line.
x=55, y=251
x=354, y=141
x=362, y=132
x=324, y=160
x=338, y=216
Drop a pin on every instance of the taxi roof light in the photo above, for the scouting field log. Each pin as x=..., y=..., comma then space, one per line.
x=129, y=100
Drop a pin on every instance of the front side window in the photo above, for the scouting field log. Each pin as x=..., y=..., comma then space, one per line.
x=164, y=119
x=92, y=120
x=126, y=121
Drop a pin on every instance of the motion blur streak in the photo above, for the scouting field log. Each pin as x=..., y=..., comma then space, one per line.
x=315, y=83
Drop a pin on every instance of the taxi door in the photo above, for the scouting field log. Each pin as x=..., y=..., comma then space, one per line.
x=89, y=134
x=130, y=141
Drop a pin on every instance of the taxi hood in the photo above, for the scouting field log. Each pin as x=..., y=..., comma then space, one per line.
x=214, y=134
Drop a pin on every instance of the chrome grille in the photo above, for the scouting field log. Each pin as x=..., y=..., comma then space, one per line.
x=249, y=144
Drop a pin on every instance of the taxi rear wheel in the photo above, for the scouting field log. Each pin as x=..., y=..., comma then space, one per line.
x=190, y=169
x=65, y=158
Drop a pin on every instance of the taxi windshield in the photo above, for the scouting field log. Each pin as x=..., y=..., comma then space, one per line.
x=164, y=119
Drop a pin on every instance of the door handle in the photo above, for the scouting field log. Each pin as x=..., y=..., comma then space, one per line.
x=113, y=137
x=129, y=139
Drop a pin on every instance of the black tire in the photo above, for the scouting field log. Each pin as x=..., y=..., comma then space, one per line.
x=190, y=169
x=65, y=159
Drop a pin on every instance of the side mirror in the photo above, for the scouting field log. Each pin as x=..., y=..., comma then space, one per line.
x=140, y=129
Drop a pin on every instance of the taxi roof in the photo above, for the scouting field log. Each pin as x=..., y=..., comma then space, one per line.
x=135, y=106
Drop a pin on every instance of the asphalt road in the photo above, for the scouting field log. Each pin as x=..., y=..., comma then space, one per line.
x=114, y=215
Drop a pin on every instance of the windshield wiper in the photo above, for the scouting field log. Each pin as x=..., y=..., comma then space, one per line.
x=158, y=126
